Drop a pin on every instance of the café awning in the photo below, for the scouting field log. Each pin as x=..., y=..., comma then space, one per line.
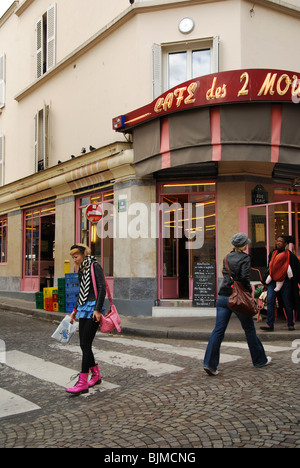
x=237, y=115
x=261, y=132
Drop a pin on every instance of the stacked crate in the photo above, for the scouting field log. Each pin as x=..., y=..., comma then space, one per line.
x=61, y=284
x=48, y=298
x=72, y=291
x=39, y=300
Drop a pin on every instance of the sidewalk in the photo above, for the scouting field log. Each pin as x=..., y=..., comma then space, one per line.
x=181, y=328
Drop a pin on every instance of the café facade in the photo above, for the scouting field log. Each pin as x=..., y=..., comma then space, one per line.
x=213, y=156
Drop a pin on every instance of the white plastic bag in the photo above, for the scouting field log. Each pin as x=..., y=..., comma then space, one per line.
x=65, y=330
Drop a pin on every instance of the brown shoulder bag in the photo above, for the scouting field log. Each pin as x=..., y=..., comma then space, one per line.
x=241, y=300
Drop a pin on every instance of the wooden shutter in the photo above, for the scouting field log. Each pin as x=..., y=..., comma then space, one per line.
x=36, y=141
x=215, y=55
x=157, y=70
x=51, y=36
x=45, y=136
x=39, y=48
x=1, y=160
x=2, y=80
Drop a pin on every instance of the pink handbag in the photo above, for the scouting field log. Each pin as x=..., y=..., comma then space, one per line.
x=111, y=320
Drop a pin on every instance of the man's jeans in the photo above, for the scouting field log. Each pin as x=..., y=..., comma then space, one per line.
x=212, y=356
x=286, y=295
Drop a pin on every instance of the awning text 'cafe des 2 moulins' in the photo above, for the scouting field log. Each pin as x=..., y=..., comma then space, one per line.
x=221, y=154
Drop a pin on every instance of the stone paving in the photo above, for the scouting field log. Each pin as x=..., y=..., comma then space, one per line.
x=242, y=407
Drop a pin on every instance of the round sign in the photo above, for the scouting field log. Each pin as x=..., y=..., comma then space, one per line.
x=94, y=213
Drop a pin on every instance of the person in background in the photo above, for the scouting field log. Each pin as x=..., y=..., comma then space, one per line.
x=239, y=264
x=88, y=309
x=284, y=267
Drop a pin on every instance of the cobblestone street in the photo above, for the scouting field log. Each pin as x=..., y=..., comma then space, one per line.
x=170, y=404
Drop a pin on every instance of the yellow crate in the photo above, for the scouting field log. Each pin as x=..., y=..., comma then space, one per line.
x=55, y=306
x=47, y=292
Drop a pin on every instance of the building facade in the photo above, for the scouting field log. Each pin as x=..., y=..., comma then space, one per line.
x=212, y=147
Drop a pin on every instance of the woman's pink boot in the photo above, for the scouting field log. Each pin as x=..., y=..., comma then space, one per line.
x=81, y=386
x=96, y=376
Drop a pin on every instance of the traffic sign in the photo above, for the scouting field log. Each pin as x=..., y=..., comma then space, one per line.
x=94, y=213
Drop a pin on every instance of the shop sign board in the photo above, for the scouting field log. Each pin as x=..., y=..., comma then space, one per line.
x=94, y=213
x=204, y=284
x=250, y=85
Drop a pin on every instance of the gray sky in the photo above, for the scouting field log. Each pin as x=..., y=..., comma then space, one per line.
x=4, y=5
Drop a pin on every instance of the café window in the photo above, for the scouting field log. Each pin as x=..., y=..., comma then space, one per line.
x=175, y=63
x=3, y=239
x=87, y=233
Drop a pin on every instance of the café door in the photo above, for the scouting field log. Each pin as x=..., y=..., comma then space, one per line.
x=263, y=224
x=187, y=235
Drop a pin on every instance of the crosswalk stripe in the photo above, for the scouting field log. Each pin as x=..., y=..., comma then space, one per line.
x=11, y=404
x=194, y=353
x=268, y=348
x=45, y=370
x=154, y=368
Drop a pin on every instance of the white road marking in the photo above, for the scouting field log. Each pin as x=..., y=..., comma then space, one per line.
x=154, y=368
x=11, y=404
x=268, y=348
x=194, y=353
x=45, y=370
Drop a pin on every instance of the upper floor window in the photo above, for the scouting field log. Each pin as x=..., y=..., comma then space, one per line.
x=178, y=62
x=2, y=80
x=45, y=41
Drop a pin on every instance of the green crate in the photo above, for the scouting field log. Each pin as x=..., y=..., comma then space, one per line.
x=39, y=300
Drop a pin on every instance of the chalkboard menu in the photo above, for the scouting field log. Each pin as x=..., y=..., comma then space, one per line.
x=204, y=284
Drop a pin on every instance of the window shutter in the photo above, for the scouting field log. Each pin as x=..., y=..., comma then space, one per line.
x=39, y=48
x=51, y=36
x=2, y=80
x=157, y=70
x=36, y=141
x=215, y=55
x=45, y=136
x=1, y=160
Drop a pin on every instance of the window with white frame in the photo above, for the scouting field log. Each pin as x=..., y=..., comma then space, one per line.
x=41, y=150
x=175, y=63
x=2, y=80
x=46, y=41
x=1, y=160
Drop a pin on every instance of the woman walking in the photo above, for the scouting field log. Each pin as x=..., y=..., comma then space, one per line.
x=88, y=309
x=283, y=280
x=239, y=264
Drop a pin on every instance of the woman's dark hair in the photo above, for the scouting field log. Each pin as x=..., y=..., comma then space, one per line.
x=287, y=239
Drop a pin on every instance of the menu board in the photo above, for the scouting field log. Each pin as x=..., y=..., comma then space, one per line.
x=204, y=290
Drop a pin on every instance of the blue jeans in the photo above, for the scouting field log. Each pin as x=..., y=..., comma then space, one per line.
x=286, y=295
x=212, y=355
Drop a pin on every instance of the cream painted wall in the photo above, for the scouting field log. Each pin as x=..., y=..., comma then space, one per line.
x=64, y=234
x=134, y=258
x=115, y=76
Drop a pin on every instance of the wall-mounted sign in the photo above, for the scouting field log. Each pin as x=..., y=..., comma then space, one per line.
x=122, y=205
x=220, y=88
x=260, y=196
